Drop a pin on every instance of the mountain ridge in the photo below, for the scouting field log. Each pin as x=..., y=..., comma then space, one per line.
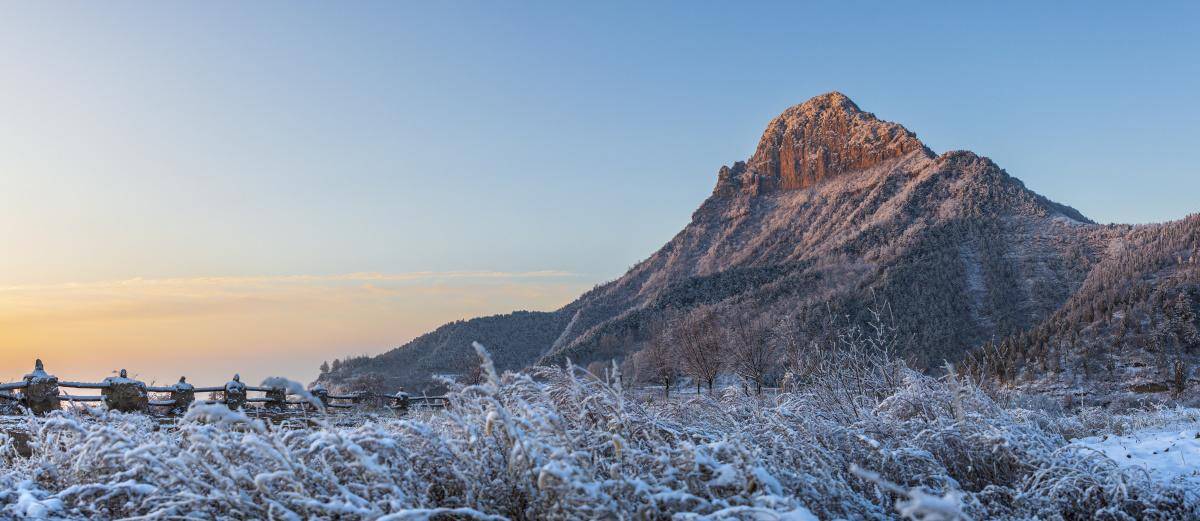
x=834, y=212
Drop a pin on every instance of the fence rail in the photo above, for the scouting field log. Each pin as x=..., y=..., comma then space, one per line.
x=70, y=398
x=209, y=389
x=40, y=392
x=83, y=385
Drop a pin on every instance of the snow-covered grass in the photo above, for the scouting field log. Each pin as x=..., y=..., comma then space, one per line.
x=559, y=444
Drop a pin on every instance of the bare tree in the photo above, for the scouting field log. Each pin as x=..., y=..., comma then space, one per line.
x=599, y=370
x=752, y=353
x=658, y=362
x=472, y=376
x=698, y=339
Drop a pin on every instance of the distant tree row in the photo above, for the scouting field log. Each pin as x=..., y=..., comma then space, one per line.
x=791, y=350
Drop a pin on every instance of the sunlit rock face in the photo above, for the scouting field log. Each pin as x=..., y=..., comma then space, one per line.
x=824, y=137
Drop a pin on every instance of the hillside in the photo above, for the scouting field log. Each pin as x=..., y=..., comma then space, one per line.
x=838, y=211
x=1129, y=333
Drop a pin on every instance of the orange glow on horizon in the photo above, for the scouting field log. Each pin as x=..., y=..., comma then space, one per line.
x=209, y=328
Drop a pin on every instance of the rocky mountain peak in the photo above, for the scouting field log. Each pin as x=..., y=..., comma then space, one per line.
x=854, y=212
x=823, y=137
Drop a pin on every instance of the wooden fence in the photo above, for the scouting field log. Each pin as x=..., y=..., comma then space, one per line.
x=41, y=392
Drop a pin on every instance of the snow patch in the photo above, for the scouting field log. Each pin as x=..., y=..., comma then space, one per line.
x=1168, y=454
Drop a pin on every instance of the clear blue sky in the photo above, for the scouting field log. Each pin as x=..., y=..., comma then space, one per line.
x=164, y=140
x=304, y=137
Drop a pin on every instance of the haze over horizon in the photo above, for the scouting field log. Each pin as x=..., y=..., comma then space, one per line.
x=203, y=190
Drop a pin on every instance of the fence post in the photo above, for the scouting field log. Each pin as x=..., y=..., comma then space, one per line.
x=41, y=390
x=400, y=403
x=235, y=393
x=278, y=399
x=39, y=393
x=125, y=394
x=183, y=394
x=322, y=394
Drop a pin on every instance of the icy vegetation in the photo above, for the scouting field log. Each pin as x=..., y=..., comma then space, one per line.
x=564, y=444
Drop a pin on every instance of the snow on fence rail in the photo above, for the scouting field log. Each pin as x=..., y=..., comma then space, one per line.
x=39, y=392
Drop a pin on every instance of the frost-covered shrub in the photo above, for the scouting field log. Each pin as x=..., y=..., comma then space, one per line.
x=561, y=444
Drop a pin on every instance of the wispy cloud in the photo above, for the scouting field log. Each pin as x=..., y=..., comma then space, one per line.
x=415, y=276
x=150, y=297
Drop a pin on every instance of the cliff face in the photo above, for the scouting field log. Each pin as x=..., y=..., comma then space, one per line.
x=836, y=211
x=824, y=137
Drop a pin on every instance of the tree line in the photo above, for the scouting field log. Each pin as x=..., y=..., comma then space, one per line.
x=762, y=350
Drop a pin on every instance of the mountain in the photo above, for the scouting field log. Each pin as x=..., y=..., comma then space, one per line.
x=838, y=212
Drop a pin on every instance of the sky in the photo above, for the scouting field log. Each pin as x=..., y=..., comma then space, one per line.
x=214, y=187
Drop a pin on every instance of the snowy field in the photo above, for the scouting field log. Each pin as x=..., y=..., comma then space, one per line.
x=568, y=446
x=1169, y=453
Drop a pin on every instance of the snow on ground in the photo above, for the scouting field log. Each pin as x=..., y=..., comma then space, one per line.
x=563, y=445
x=1170, y=454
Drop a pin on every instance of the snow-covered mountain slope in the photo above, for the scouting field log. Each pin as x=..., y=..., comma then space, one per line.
x=837, y=211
